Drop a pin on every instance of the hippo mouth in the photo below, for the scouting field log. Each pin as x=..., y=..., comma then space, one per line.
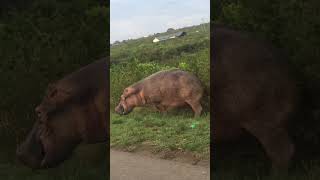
x=122, y=111
x=125, y=113
x=32, y=159
x=49, y=158
x=56, y=152
x=37, y=159
x=44, y=155
x=42, y=151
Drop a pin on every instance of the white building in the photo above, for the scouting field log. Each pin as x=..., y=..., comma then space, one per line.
x=155, y=40
x=170, y=36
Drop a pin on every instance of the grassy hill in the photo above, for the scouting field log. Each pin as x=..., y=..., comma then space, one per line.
x=145, y=50
x=135, y=59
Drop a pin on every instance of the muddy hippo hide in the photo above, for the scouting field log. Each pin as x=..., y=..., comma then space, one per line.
x=252, y=92
x=73, y=111
x=164, y=90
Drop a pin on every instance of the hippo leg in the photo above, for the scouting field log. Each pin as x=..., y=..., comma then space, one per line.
x=276, y=143
x=161, y=108
x=196, y=107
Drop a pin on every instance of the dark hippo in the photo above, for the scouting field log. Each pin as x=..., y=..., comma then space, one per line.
x=164, y=90
x=252, y=92
x=73, y=111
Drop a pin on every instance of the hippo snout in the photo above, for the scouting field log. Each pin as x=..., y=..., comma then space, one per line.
x=119, y=109
x=122, y=111
x=27, y=158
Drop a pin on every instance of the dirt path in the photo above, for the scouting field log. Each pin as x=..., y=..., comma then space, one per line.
x=131, y=166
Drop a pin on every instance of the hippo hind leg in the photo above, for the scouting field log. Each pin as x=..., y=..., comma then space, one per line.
x=196, y=107
x=161, y=108
x=276, y=143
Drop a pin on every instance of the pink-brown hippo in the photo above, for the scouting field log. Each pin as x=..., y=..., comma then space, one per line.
x=164, y=90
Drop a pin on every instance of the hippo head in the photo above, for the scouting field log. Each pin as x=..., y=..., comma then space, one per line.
x=126, y=105
x=50, y=141
x=58, y=129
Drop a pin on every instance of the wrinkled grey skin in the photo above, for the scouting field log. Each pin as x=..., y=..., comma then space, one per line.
x=73, y=111
x=164, y=90
x=253, y=92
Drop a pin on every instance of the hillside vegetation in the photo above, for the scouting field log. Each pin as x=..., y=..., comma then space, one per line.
x=133, y=60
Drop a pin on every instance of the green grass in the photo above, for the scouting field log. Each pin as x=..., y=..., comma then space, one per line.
x=88, y=161
x=171, y=131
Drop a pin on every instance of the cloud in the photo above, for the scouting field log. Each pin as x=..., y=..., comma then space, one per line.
x=148, y=18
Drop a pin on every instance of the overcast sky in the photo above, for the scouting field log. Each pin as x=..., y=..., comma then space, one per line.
x=138, y=18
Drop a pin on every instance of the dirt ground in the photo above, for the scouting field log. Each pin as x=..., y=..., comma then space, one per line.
x=143, y=165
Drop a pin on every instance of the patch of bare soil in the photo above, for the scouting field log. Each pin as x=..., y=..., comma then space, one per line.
x=146, y=149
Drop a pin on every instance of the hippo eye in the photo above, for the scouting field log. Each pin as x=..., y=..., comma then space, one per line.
x=53, y=93
x=41, y=120
x=38, y=114
x=122, y=98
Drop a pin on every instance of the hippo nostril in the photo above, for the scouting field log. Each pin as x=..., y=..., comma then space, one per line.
x=122, y=109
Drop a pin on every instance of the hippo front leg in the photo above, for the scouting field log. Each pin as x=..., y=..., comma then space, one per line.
x=161, y=108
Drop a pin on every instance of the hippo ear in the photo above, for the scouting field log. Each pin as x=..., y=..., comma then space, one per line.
x=128, y=91
x=51, y=90
x=51, y=85
x=61, y=95
x=57, y=95
x=125, y=93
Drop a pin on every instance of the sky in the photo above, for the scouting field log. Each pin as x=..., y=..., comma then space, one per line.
x=130, y=19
